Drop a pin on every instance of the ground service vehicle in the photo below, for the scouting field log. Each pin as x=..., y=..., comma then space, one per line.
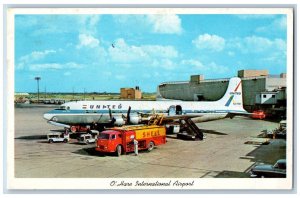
x=120, y=139
x=267, y=170
x=259, y=114
x=58, y=137
x=88, y=138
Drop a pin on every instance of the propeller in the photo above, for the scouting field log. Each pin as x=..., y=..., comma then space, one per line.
x=128, y=116
x=110, y=115
x=112, y=119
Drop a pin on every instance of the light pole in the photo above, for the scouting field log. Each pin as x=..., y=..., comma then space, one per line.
x=84, y=93
x=38, y=87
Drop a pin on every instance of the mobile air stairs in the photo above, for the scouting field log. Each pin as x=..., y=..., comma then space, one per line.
x=189, y=130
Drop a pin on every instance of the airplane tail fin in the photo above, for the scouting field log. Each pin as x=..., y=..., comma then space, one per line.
x=233, y=98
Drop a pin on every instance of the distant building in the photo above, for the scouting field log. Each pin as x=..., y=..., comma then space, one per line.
x=260, y=90
x=252, y=73
x=21, y=94
x=131, y=93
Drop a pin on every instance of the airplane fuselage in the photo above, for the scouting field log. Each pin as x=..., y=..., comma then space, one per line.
x=88, y=112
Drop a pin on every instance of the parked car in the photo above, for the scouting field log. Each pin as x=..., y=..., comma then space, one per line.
x=266, y=170
x=259, y=114
x=58, y=137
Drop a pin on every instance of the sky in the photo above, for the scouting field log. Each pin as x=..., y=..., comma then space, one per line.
x=102, y=53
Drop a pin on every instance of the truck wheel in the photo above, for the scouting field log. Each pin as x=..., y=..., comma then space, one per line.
x=50, y=141
x=65, y=140
x=119, y=150
x=150, y=146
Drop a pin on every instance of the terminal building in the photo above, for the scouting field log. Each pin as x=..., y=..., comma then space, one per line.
x=260, y=90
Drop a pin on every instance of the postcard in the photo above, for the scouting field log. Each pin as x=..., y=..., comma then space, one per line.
x=134, y=98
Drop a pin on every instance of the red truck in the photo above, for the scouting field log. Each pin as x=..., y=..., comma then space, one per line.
x=119, y=140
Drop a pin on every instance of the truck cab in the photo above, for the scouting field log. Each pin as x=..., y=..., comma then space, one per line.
x=108, y=141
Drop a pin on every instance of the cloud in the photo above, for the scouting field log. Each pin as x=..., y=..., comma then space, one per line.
x=167, y=64
x=154, y=23
x=195, y=63
x=209, y=42
x=88, y=23
x=277, y=24
x=67, y=74
x=123, y=53
x=87, y=41
x=256, y=44
x=54, y=66
x=33, y=57
x=230, y=53
x=160, y=51
x=209, y=67
x=165, y=24
x=120, y=77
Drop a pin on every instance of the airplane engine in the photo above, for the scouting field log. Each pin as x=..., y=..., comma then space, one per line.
x=136, y=119
x=119, y=121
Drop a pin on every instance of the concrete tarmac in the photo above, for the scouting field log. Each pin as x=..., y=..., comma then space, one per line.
x=222, y=154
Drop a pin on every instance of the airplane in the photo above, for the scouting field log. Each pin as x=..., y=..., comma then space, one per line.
x=86, y=113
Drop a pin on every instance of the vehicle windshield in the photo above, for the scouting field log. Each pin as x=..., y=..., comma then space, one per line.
x=104, y=136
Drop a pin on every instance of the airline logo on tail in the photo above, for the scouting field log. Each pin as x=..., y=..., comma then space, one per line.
x=232, y=96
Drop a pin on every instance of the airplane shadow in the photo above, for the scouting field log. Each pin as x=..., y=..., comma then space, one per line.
x=32, y=137
x=91, y=152
x=57, y=130
x=213, y=132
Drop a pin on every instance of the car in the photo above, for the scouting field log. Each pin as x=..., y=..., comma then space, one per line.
x=258, y=114
x=278, y=170
x=87, y=138
x=58, y=137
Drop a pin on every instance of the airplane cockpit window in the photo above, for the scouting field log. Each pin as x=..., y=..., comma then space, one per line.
x=172, y=110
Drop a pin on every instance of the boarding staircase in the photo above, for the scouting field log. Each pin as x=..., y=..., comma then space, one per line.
x=189, y=130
